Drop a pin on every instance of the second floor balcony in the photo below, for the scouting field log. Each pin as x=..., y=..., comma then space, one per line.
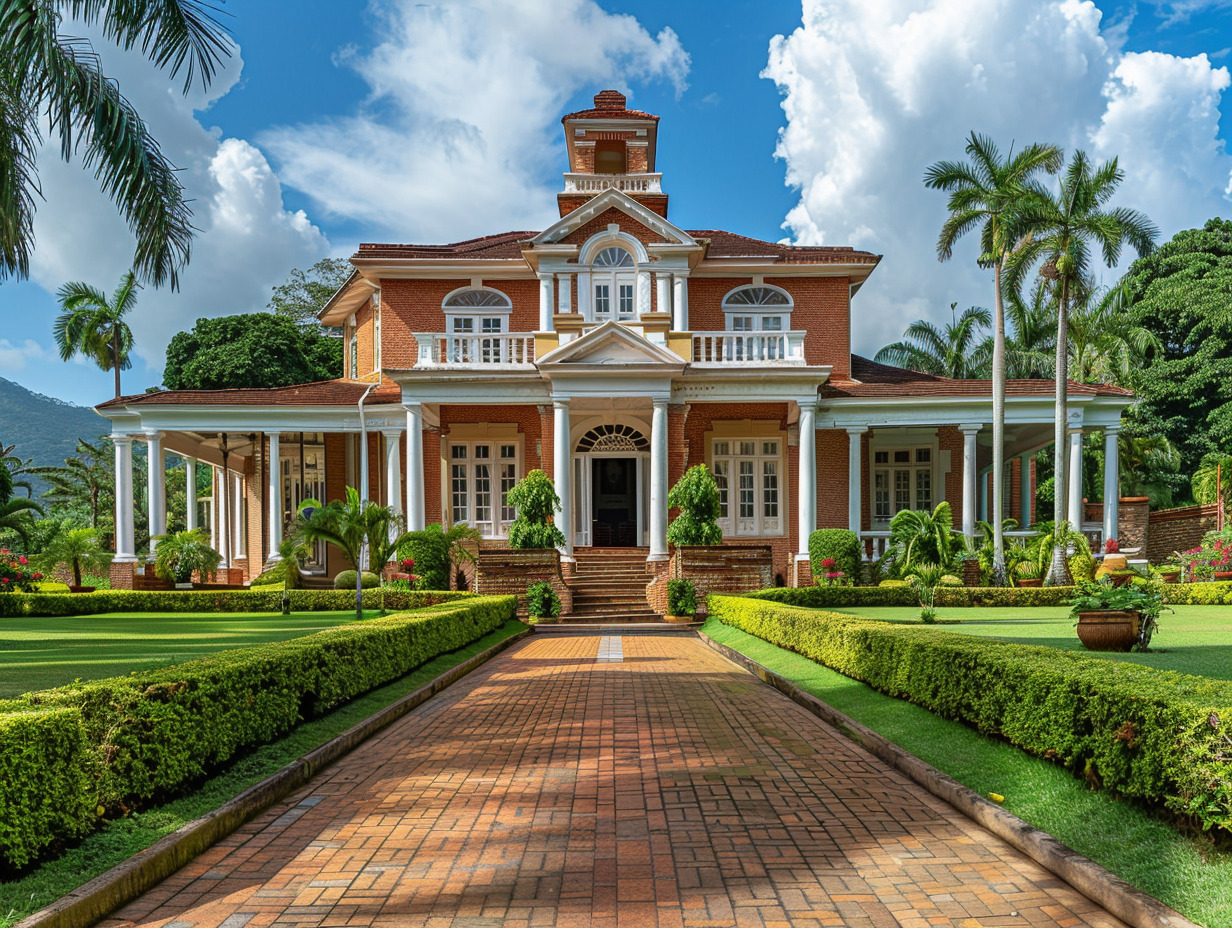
x=503, y=350
x=625, y=183
x=723, y=349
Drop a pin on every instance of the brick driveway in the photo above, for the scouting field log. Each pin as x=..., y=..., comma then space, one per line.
x=586, y=781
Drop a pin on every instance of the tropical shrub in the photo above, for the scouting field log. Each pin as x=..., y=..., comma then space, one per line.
x=918, y=537
x=840, y=546
x=696, y=495
x=542, y=601
x=537, y=504
x=76, y=548
x=435, y=551
x=15, y=573
x=681, y=597
x=179, y=554
x=346, y=580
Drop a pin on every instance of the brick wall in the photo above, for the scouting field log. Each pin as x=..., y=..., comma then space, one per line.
x=1133, y=514
x=832, y=478
x=1178, y=530
x=729, y=568
x=503, y=571
x=600, y=223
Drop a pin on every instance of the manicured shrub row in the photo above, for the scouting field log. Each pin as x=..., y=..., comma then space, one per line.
x=819, y=597
x=1153, y=735
x=1198, y=594
x=151, y=734
x=268, y=599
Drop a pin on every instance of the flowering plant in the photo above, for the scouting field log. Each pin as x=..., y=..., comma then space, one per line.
x=1112, y=546
x=830, y=572
x=407, y=563
x=15, y=573
x=1213, y=556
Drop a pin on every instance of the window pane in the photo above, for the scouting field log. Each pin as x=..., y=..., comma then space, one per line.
x=458, y=452
x=458, y=489
x=748, y=447
x=923, y=455
x=483, y=451
x=483, y=492
x=742, y=323
x=746, y=490
x=770, y=489
x=721, y=471
x=902, y=457
x=626, y=300
x=902, y=490
x=509, y=451
x=881, y=457
x=463, y=324
x=772, y=323
x=492, y=324
x=924, y=489
x=881, y=495
x=769, y=447
x=603, y=299
x=721, y=447
x=508, y=477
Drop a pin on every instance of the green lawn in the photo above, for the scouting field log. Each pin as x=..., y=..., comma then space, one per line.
x=1192, y=639
x=37, y=653
x=1187, y=872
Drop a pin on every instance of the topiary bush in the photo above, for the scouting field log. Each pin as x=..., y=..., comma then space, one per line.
x=681, y=598
x=430, y=551
x=840, y=544
x=696, y=495
x=346, y=580
x=542, y=601
x=537, y=504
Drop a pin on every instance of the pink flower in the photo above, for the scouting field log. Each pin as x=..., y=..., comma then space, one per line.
x=22, y=560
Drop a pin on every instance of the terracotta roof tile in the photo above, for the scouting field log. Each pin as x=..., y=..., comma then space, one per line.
x=725, y=244
x=872, y=379
x=321, y=393
x=501, y=245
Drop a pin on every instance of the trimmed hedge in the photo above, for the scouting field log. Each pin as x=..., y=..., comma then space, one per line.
x=1153, y=735
x=268, y=599
x=1198, y=594
x=839, y=543
x=154, y=733
x=902, y=594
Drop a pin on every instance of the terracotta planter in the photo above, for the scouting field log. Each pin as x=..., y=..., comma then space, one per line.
x=1031, y=582
x=72, y=588
x=1171, y=576
x=1223, y=575
x=1108, y=631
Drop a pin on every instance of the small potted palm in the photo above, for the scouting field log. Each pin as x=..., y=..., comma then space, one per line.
x=79, y=550
x=1029, y=573
x=181, y=554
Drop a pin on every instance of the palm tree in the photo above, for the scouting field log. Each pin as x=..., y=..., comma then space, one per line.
x=15, y=514
x=987, y=192
x=17, y=467
x=84, y=481
x=956, y=351
x=1147, y=462
x=1029, y=350
x=76, y=548
x=1063, y=229
x=94, y=326
x=1104, y=347
x=47, y=73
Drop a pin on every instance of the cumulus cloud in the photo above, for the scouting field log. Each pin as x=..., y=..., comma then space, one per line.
x=461, y=127
x=247, y=241
x=15, y=357
x=875, y=92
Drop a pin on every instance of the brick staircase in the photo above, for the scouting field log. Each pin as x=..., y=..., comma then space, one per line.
x=609, y=586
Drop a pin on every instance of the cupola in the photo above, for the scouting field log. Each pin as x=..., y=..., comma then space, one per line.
x=611, y=147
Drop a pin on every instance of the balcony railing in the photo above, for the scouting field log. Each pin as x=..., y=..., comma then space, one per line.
x=875, y=543
x=753, y=348
x=497, y=350
x=625, y=183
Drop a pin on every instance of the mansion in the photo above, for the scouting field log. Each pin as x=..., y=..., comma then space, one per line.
x=612, y=350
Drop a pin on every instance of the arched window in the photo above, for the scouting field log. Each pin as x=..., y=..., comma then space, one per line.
x=757, y=309
x=612, y=438
x=475, y=298
x=476, y=311
x=613, y=279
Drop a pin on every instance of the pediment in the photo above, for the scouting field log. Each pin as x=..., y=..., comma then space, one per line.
x=566, y=228
x=611, y=345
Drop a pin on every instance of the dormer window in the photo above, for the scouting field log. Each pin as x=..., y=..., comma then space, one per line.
x=613, y=279
x=610, y=157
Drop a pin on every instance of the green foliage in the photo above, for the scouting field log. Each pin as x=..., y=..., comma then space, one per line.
x=305, y=293
x=961, y=350
x=681, y=597
x=435, y=551
x=542, y=601
x=1181, y=293
x=346, y=580
x=839, y=544
x=1115, y=723
x=76, y=548
x=180, y=553
x=152, y=733
x=1145, y=598
x=250, y=350
x=918, y=537
x=93, y=325
x=45, y=790
x=696, y=495
x=903, y=593
x=537, y=504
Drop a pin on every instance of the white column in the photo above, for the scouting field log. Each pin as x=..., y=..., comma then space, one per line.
x=364, y=489
x=1075, y=478
x=273, y=477
x=1112, y=481
x=545, y=302
x=125, y=532
x=237, y=516
x=680, y=303
x=641, y=295
x=806, y=493
x=156, y=486
x=562, y=471
x=663, y=293
x=855, y=478
x=190, y=493
x=1024, y=515
x=414, y=467
x=658, y=479
x=215, y=496
x=970, y=477
x=393, y=470
x=564, y=293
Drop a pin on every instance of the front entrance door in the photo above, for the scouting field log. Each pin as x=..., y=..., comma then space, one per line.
x=613, y=503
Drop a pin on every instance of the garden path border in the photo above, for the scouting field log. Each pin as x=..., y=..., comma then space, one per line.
x=1124, y=900
x=94, y=900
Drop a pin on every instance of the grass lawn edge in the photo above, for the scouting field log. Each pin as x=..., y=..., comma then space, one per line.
x=95, y=899
x=1124, y=900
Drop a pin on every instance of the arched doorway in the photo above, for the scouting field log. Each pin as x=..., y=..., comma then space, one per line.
x=610, y=473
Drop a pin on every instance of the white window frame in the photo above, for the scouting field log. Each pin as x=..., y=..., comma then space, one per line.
x=497, y=526
x=352, y=348
x=376, y=334
x=761, y=317
x=760, y=524
x=912, y=448
x=615, y=279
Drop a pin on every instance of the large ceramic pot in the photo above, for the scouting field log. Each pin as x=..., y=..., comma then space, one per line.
x=1108, y=631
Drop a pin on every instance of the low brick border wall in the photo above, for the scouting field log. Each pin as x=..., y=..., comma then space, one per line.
x=93, y=901
x=1098, y=884
x=509, y=571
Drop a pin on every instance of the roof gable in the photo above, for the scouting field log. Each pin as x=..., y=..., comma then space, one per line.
x=563, y=228
x=611, y=345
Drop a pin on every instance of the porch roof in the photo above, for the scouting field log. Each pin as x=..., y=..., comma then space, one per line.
x=868, y=378
x=321, y=393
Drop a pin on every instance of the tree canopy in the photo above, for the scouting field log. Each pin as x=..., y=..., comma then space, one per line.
x=305, y=293
x=1183, y=294
x=250, y=350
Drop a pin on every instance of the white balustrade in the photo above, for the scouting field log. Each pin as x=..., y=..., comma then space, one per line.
x=874, y=544
x=625, y=183
x=447, y=349
x=754, y=348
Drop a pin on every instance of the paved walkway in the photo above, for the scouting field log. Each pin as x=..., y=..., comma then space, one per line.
x=586, y=781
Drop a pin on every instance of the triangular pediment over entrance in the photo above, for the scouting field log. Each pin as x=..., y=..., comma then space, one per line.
x=609, y=207
x=611, y=345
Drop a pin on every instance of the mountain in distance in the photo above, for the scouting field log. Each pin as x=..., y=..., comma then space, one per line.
x=44, y=428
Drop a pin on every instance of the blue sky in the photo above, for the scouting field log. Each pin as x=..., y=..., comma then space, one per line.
x=402, y=121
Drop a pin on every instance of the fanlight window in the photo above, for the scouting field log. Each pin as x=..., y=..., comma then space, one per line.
x=613, y=438
x=613, y=257
x=757, y=296
x=472, y=299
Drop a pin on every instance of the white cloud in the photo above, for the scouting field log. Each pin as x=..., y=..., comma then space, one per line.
x=875, y=92
x=461, y=128
x=15, y=357
x=247, y=241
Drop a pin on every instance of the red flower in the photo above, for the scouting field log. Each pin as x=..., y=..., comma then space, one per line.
x=827, y=562
x=22, y=560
